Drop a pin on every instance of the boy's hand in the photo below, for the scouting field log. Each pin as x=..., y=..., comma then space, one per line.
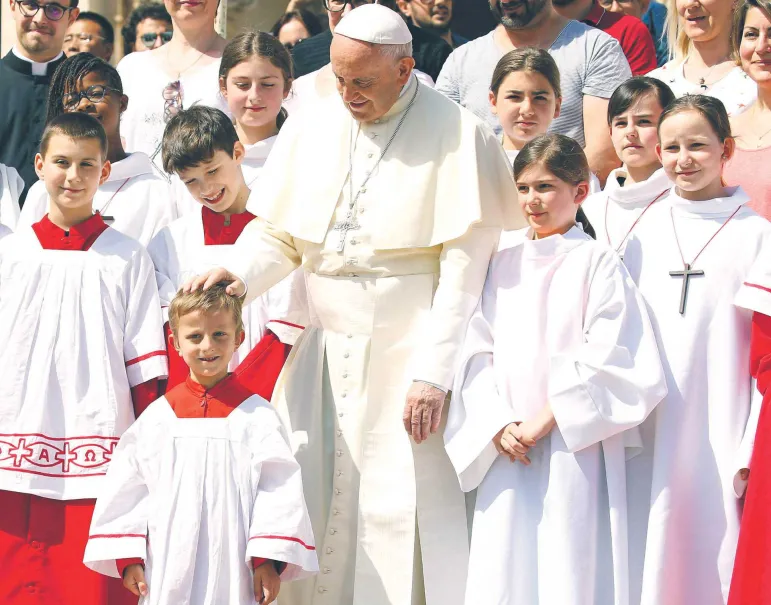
x=539, y=426
x=266, y=583
x=134, y=579
x=511, y=442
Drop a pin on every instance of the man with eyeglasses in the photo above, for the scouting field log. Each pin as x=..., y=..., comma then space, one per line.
x=429, y=51
x=25, y=74
x=433, y=16
x=91, y=33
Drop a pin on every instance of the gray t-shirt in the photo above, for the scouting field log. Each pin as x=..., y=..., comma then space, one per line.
x=590, y=62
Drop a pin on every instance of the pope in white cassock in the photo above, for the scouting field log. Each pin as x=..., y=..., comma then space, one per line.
x=392, y=200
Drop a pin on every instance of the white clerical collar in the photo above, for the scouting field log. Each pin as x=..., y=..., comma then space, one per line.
x=38, y=69
x=554, y=245
x=135, y=164
x=261, y=149
x=715, y=207
x=634, y=195
x=402, y=102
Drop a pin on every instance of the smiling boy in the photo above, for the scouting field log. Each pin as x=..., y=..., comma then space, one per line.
x=82, y=353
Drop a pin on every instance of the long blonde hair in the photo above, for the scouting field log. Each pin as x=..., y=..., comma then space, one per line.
x=679, y=43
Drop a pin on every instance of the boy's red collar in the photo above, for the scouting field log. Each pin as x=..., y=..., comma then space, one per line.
x=80, y=237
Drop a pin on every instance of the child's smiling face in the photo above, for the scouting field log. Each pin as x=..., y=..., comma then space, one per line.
x=107, y=111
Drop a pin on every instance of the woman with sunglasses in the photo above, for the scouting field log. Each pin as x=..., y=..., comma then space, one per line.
x=176, y=75
x=148, y=27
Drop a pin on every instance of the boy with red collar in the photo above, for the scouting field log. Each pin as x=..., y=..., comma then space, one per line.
x=207, y=478
x=82, y=356
x=201, y=146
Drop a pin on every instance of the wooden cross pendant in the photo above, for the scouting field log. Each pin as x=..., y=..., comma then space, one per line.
x=686, y=274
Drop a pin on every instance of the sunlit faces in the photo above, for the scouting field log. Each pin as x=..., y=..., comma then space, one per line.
x=432, y=15
x=38, y=35
x=184, y=10
x=755, y=47
x=217, y=182
x=634, y=133
x=72, y=172
x=254, y=90
x=692, y=155
x=150, y=26
x=525, y=105
x=368, y=81
x=292, y=32
x=518, y=14
x=85, y=36
x=549, y=203
x=108, y=110
x=207, y=342
x=705, y=20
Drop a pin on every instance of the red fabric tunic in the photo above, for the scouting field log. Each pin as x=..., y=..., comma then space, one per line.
x=632, y=34
x=751, y=581
x=259, y=371
x=42, y=540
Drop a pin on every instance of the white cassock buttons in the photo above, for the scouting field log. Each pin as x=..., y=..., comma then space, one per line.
x=322, y=589
x=332, y=531
x=337, y=492
x=330, y=551
x=326, y=570
x=346, y=355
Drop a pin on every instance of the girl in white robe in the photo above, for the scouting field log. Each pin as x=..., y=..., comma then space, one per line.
x=633, y=116
x=135, y=200
x=692, y=254
x=559, y=361
x=526, y=95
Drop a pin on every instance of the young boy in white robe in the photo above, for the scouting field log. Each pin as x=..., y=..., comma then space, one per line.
x=82, y=356
x=135, y=199
x=203, y=503
x=630, y=191
x=693, y=255
x=526, y=95
x=201, y=146
x=559, y=361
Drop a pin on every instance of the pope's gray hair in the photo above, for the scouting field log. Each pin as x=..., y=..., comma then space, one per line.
x=396, y=51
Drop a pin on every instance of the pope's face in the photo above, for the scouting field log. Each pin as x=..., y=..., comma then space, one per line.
x=368, y=81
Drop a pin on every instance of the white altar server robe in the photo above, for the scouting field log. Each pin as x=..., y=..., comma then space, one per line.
x=196, y=499
x=137, y=198
x=11, y=186
x=684, y=488
x=560, y=321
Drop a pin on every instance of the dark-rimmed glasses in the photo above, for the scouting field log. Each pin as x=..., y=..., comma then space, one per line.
x=52, y=11
x=172, y=100
x=336, y=6
x=95, y=94
x=149, y=38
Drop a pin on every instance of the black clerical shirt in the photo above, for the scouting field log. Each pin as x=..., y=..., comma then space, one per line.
x=22, y=114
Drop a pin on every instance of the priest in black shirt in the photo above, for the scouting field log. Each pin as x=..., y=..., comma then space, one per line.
x=25, y=73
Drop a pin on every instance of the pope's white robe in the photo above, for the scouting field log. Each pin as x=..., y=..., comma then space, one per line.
x=613, y=211
x=684, y=488
x=560, y=321
x=11, y=186
x=389, y=308
x=135, y=196
x=197, y=499
x=79, y=329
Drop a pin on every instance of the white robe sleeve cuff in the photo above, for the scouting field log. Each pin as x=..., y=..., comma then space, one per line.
x=103, y=551
x=146, y=367
x=299, y=556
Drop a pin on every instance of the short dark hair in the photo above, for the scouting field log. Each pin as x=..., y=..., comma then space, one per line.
x=104, y=24
x=77, y=126
x=148, y=10
x=71, y=71
x=534, y=60
x=561, y=155
x=194, y=135
x=711, y=108
x=634, y=89
x=307, y=18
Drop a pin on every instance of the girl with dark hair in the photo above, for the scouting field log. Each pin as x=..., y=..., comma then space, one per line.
x=694, y=257
x=559, y=361
x=135, y=199
x=633, y=116
x=295, y=26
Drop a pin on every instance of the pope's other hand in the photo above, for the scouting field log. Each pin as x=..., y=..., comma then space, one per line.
x=215, y=276
x=423, y=411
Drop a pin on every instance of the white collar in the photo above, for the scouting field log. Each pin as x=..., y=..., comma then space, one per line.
x=634, y=195
x=715, y=207
x=554, y=245
x=135, y=164
x=38, y=69
x=261, y=149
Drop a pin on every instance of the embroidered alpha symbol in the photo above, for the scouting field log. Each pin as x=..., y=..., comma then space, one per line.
x=56, y=457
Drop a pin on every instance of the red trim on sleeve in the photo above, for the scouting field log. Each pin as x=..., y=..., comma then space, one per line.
x=95, y=536
x=131, y=362
x=288, y=538
x=759, y=287
x=286, y=323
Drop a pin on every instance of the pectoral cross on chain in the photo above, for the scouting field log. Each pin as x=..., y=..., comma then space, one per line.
x=349, y=224
x=686, y=274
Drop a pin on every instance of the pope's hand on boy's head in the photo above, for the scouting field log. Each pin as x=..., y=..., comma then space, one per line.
x=215, y=276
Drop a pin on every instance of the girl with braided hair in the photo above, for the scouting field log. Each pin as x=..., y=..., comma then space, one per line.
x=135, y=200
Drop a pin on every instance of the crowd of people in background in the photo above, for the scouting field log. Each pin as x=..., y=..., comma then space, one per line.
x=539, y=228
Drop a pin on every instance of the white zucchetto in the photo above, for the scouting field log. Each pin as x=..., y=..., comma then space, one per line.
x=376, y=24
